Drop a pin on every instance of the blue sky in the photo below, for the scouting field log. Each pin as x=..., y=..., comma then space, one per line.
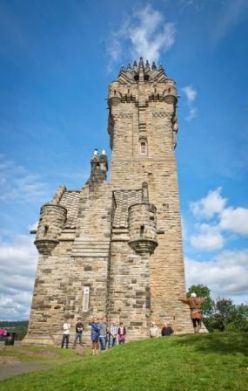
x=56, y=61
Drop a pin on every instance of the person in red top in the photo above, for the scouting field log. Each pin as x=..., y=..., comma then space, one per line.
x=194, y=304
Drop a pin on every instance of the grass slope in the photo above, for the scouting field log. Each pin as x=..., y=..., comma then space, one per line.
x=188, y=363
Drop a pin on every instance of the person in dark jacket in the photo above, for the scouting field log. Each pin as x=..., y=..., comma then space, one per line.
x=79, y=332
x=167, y=330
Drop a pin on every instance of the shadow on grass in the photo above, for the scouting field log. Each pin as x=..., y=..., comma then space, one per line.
x=223, y=343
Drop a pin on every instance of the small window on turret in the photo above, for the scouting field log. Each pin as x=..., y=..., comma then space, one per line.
x=45, y=229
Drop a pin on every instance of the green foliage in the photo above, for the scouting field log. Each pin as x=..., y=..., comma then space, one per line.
x=228, y=316
x=209, y=362
x=18, y=327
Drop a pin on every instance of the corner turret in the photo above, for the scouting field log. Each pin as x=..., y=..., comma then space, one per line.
x=51, y=223
x=142, y=222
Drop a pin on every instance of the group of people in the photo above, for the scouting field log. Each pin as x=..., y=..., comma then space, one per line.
x=165, y=331
x=105, y=336
x=102, y=335
x=194, y=302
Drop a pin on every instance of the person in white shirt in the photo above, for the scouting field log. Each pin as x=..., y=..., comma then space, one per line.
x=153, y=331
x=66, y=335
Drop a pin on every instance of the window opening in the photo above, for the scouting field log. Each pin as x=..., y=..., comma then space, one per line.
x=143, y=147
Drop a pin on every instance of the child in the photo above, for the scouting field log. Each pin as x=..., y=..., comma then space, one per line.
x=121, y=333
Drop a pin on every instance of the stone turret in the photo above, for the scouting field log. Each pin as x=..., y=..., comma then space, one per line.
x=142, y=228
x=51, y=223
x=52, y=219
x=142, y=224
x=99, y=167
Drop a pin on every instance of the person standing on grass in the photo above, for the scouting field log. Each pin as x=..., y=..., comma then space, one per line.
x=153, y=331
x=121, y=333
x=79, y=332
x=194, y=304
x=95, y=332
x=103, y=334
x=113, y=333
x=66, y=334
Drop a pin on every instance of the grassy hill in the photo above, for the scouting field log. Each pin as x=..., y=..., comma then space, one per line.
x=214, y=362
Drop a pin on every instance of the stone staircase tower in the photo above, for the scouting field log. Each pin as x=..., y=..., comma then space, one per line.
x=114, y=248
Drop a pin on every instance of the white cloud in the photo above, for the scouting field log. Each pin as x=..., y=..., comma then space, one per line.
x=210, y=205
x=18, y=262
x=17, y=184
x=194, y=4
x=222, y=221
x=231, y=14
x=190, y=93
x=145, y=33
x=226, y=275
x=209, y=238
x=235, y=220
x=192, y=114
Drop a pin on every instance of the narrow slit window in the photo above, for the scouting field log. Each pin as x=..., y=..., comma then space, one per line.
x=86, y=298
x=143, y=147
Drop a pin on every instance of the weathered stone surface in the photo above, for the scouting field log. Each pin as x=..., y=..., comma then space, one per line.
x=96, y=244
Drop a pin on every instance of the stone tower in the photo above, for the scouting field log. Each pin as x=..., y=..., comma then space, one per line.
x=114, y=248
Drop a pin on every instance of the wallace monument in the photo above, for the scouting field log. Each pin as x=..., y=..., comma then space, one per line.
x=113, y=248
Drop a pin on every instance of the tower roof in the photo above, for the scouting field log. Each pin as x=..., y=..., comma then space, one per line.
x=142, y=71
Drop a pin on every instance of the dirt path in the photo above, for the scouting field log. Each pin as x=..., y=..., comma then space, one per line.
x=17, y=368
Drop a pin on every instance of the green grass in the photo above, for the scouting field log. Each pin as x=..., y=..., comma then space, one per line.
x=47, y=354
x=188, y=363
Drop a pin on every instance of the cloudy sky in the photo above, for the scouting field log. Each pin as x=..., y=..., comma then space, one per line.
x=56, y=61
